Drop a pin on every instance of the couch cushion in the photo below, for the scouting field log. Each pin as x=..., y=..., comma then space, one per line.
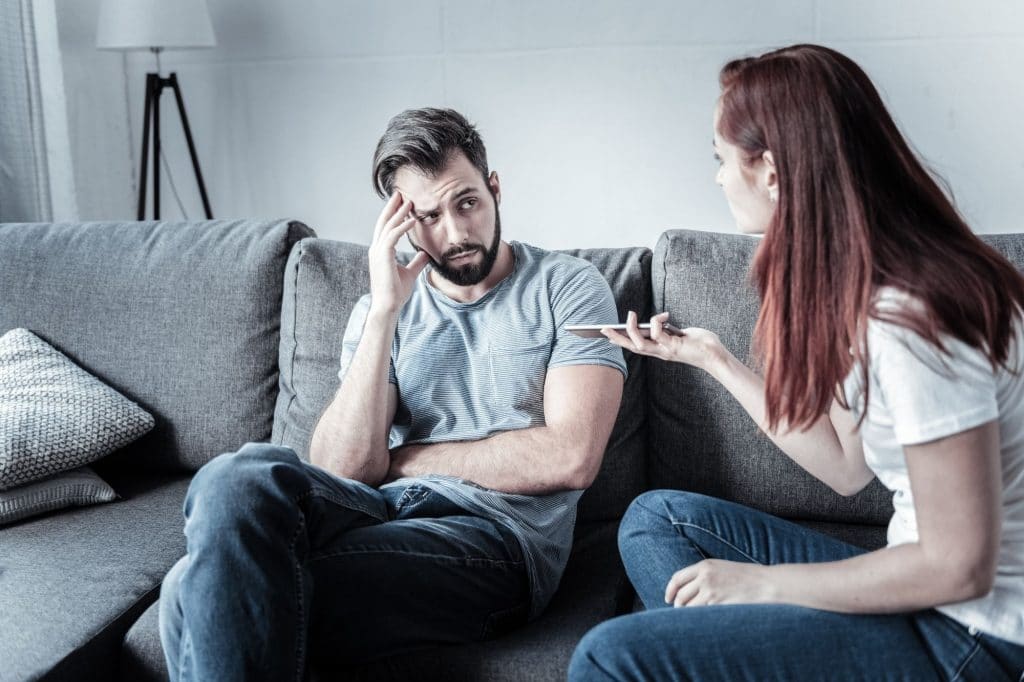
x=182, y=318
x=700, y=437
x=323, y=281
x=623, y=473
x=55, y=416
x=72, y=583
x=76, y=488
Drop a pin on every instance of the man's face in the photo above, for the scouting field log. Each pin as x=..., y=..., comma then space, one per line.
x=457, y=222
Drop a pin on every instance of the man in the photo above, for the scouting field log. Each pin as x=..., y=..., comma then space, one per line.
x=440, y=502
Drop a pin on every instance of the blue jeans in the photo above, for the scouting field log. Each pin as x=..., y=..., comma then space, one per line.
x=290, y=567
x=664, y=531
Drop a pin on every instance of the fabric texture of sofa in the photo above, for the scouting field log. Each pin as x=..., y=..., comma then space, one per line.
x=229, y=332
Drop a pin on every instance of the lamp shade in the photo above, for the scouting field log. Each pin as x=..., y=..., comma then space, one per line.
x=145, y=24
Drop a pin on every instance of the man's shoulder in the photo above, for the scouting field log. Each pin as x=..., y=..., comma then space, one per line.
x=557, y=263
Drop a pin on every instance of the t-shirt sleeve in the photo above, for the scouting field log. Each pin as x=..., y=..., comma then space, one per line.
x=584, y=298
x=930, y=394
x=353, y=333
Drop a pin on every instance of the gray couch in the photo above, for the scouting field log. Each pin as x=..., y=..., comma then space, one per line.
x=229, y=331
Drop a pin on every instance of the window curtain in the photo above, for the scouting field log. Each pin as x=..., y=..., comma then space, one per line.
x=36, y=178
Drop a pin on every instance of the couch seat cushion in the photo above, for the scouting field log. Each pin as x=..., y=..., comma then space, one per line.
x=71, y=583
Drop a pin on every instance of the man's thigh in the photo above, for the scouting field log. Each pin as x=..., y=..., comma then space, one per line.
x=435, y=574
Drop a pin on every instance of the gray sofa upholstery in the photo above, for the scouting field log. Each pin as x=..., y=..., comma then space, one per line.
x=229, y=332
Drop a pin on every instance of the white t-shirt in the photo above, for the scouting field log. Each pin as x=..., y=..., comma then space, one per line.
x=919, y=394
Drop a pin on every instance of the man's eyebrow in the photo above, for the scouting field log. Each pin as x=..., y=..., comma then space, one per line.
x=455, y=197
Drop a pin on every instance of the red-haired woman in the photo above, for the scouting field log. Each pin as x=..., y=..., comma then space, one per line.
x=891, y=343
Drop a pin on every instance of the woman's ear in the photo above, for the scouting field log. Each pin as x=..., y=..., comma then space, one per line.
x=769, y=177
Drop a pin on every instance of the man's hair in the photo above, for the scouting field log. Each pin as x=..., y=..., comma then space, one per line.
x=425, y=139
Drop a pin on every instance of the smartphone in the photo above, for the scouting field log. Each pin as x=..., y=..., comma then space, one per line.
x=594, y=330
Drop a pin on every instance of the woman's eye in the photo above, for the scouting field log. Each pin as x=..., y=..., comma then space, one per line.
x=718, y=159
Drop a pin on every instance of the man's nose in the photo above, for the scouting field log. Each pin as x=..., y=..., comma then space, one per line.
x=456, y=229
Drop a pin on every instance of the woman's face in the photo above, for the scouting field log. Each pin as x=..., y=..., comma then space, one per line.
x=748, y=188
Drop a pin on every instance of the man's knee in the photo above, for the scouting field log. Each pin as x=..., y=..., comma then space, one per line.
x=242, y=485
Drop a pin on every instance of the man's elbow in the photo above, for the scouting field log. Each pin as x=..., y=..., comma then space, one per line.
x=583, y=467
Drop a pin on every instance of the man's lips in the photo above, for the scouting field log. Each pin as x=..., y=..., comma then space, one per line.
x=461, y=256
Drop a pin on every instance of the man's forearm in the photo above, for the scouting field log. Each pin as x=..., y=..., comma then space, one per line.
x=350, y=440
x=532, y=461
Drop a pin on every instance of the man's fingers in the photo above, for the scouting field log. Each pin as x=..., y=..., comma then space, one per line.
x=386, y=213
x=398, y=226
x=418, y=262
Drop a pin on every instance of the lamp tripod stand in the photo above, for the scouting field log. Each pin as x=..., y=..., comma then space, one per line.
x=155, y=84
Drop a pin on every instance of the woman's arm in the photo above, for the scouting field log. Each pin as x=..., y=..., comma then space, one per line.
x=830, y=449
x=957, y=487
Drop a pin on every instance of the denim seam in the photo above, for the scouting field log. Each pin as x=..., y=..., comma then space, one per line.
x=960, y=670
x=186, y=656
x=423, y=555
x=717, y=537
x=334, y=499
x=300, y=629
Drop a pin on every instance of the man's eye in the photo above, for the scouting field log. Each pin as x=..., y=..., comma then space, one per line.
x=428, y=219
x=467, y=204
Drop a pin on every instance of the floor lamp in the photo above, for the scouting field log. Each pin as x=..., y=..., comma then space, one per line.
x=157, y=25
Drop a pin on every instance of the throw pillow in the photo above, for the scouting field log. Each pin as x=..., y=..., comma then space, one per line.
x=78, y=487
x=55, y=416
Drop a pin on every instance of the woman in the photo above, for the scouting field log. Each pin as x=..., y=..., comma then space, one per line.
x=890, y=342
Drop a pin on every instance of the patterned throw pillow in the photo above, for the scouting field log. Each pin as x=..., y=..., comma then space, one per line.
x=55, y=416
x=77, y=487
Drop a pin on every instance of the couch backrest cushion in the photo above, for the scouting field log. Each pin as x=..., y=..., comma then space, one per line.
x=700, y=438
x=182, y=318
x=323, y=281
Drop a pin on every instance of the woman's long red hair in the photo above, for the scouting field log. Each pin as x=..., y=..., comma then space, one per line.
x=856, y=211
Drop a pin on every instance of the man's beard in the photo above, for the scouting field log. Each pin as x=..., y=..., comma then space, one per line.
x=471, y=273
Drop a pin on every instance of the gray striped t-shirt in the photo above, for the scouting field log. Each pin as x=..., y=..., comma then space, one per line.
x=465, y=371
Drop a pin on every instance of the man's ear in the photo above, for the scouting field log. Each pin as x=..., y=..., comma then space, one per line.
x=495, y=185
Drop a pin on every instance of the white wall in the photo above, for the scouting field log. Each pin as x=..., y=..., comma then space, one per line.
x=596, y=113
x=97, y=109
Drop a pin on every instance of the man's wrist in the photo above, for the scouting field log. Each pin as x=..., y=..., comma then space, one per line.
x=382, y=316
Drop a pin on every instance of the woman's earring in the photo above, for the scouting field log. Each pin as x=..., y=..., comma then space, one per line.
x=773, y=195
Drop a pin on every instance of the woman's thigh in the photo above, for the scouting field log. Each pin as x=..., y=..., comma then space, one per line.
x=666, y=530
